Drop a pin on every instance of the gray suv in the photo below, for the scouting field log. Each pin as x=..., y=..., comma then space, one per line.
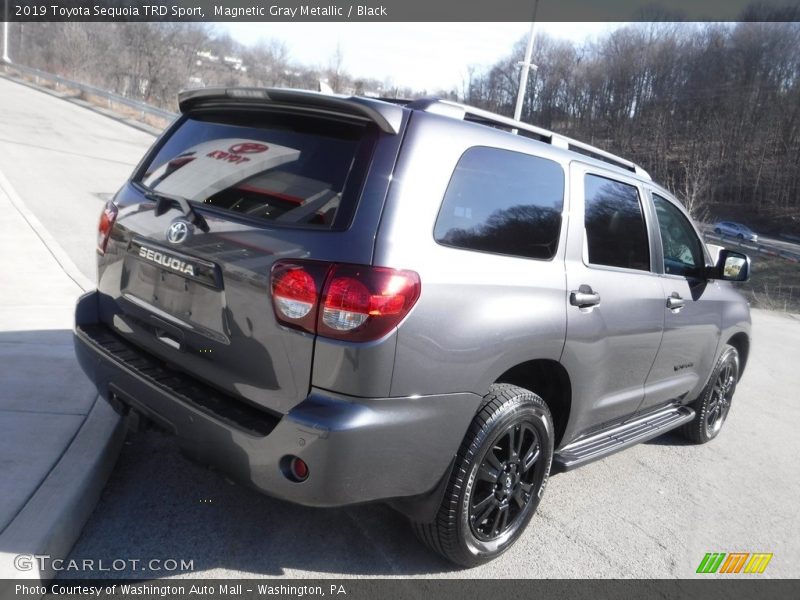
x=342, y=300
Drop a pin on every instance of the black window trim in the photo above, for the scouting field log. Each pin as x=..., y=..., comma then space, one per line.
x=654, y=191
x=644, y=203
x=560, y=245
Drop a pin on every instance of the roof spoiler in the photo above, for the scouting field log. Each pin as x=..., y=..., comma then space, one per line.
x=386, y=116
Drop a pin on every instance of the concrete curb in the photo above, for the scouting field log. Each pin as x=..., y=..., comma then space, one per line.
x=51, y=519
x=54, y=516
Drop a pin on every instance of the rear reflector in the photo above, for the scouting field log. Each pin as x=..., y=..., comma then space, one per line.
x=299, y=469
x=107, y=219
x=357, y=303
x=294, y=468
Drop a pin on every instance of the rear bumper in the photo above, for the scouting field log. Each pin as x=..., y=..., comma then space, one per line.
x=357, y=449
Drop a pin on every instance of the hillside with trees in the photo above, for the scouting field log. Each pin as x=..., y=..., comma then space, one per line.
x=711, y=110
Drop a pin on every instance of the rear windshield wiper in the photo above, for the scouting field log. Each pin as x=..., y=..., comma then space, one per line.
x=163, y=201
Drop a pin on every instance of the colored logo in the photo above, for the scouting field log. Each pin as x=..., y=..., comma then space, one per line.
x=248, y=148
x=734, y=562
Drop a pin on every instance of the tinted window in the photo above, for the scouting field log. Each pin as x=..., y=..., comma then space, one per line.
x=616, y=232
x=683, y=254
x=283, y=168
x=503, y=202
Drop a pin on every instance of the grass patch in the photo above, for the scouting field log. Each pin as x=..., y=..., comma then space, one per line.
x=774, y=284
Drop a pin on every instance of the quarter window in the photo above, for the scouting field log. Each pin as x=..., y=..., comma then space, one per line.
x=616, y=232
x=683, y=254
x=503, y=202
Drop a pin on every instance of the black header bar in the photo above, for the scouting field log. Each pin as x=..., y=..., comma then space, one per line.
x=399, y=10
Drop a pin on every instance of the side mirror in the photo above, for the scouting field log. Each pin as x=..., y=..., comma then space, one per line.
x=731, y=266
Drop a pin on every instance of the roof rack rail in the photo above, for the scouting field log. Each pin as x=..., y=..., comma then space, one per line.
x=469, y=113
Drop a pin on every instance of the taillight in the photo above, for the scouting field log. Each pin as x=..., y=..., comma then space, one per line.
x=347, y=302
x=365, y=303
x=346, y=306
x=107, y=219
x=295, y=292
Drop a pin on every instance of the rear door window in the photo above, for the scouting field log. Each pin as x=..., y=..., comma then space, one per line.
x=616, y=232
x=287, y=169
x=503, y=202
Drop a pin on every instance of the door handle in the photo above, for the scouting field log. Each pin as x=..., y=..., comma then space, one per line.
x=675, y=302
x=584, y=297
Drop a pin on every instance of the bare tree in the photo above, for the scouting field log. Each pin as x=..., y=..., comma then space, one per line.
x=712, y=110
x=335, y=71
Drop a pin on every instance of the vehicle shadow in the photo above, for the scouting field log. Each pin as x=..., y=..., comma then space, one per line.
x=160, y=505
x=671, y=438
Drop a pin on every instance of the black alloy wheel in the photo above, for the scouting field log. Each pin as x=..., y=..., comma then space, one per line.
x=504, y=484
x=498, y=478
x=719, y=402
x=714, y=404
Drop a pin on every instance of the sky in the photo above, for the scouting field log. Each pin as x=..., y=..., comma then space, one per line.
x=422, y=56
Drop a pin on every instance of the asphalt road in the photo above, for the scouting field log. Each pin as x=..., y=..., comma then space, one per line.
x=763, y=240
x=652, y=511
x=65, y=161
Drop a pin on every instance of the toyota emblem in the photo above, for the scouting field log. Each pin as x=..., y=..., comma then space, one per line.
x=178, y=232
x=248, y=148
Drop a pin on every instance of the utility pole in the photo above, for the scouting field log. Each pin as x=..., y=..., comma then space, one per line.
x=6, y=58
x=526, y=66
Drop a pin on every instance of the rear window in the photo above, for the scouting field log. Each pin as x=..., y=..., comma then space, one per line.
x=503, y=202
x=287, y=169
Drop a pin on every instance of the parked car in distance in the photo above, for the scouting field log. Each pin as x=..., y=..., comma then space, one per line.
x=339, y=300
x=737, y=230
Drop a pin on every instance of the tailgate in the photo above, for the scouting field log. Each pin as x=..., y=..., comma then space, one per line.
x=267, y=186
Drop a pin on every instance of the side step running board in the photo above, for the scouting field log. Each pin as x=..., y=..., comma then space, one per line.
x=619, y=437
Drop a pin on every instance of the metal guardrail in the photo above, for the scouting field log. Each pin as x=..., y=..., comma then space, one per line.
x=111, y=97
x=758, y=248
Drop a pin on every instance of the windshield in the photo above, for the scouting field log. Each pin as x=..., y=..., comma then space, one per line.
x=288, y=169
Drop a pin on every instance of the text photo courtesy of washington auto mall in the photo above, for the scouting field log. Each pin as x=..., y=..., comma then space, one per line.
x=399, y=299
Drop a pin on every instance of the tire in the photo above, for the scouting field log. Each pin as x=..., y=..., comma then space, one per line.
x=489, y=481
x=714, y=404
x=740, y=236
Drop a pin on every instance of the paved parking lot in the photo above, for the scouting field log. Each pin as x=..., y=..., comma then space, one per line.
x=652, y=511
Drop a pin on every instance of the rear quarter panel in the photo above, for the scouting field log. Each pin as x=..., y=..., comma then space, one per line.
x=479, y=314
